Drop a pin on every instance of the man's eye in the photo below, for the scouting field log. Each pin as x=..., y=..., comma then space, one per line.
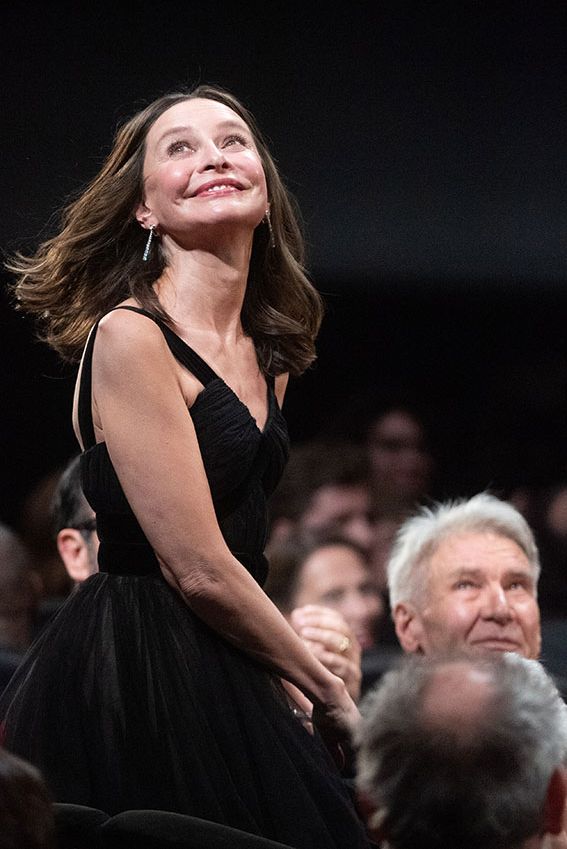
x=465, y=584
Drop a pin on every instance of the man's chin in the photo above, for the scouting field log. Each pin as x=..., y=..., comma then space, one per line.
x=501, y=646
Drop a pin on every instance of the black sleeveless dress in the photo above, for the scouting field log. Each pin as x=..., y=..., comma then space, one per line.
x=129, y=701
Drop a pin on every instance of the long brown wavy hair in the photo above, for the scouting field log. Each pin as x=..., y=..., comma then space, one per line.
x=94, y=261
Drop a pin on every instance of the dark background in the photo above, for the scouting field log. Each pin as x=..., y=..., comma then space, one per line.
x=425, y=143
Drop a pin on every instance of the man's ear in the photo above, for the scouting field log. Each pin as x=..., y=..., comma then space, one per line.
x=74, y=553
x=409, y=628
x=554, y=813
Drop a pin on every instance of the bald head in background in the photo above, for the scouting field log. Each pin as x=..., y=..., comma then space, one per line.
x=463, y=751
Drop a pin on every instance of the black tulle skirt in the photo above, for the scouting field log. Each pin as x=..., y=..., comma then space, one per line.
x=128, y=700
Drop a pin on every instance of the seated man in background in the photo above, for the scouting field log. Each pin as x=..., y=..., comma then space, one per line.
x=74, y=525
x=463, y=575
x=464, y=753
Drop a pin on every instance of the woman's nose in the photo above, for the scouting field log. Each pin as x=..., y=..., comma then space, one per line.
x=214, y=158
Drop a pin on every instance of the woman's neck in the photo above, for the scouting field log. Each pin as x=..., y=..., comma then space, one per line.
x=203, y=292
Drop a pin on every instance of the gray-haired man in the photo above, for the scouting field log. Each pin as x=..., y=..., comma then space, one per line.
x=463, y=575
x=464, y=751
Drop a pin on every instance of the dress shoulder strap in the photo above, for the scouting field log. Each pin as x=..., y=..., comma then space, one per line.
x=84, y=407
x=182, y=352
x=179, y=348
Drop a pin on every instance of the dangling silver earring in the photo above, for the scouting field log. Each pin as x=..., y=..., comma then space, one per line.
x=148, y=244
x=269, y=223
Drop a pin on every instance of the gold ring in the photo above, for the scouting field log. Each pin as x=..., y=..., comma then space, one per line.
x=344, y=645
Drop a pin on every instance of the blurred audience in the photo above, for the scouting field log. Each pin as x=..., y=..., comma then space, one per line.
x=384, y=530
x=26, y=813
x=324, y=486
x=466, y=752
x=545, y=508
x=401, y=464
x=401, y=472
x=20, y=588
x=34, y=524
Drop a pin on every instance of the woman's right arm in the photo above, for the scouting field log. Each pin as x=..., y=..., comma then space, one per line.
x=141, y=412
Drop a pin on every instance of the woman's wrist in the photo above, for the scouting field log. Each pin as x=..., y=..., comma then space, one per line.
x=332, y=692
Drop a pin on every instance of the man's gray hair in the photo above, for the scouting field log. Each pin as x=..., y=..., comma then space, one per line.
x=442, y=784
x=419, y=536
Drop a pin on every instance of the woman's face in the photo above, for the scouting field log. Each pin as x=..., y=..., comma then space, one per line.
x=335, y=575
x=202, y=172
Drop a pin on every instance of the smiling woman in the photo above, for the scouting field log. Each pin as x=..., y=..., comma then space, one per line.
x=180, y=198
x=178, y=277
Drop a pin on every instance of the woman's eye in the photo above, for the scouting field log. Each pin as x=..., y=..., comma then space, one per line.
x=178, y=147
x=235, y=139
x=332, y=597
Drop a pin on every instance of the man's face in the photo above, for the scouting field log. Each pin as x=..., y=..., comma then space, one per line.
x=479, y=595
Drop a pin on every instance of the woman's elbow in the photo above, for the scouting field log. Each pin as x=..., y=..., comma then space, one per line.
x=200, y=581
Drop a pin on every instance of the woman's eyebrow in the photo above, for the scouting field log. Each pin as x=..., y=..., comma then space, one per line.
x=229, y=124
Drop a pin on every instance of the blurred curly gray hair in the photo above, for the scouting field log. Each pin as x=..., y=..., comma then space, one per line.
x=438, y=784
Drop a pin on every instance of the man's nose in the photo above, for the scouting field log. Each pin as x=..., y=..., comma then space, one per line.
x=496, y=605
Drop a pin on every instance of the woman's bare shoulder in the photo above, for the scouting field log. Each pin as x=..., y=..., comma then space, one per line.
x=124, y=332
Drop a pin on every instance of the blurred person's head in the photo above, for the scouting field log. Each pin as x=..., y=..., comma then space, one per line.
x=545, y=508
x=384, y=530
x=400, y=462
x=327, y=569
x=463, y=575
x=20, y=589
x=34, y=525
x=324, y=487
x=461, y=751
x=26, y=813
x=74, y=524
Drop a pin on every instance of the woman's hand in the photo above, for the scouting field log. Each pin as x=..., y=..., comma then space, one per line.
x=335, y=719
x=326, y=633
